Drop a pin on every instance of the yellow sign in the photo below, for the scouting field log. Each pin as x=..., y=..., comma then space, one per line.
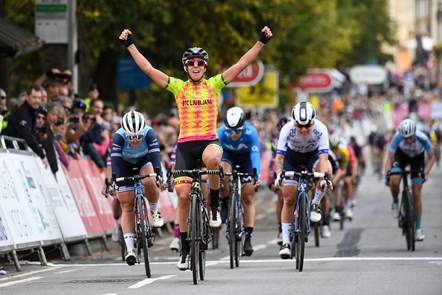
x=262, y=95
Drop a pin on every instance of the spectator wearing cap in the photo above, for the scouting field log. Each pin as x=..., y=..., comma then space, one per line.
x=22, y=122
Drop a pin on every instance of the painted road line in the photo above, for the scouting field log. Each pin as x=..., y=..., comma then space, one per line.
x=149, y=281
x=19, y=281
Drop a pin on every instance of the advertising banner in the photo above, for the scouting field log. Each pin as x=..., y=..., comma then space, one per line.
x=76, y=182
x=15, y=207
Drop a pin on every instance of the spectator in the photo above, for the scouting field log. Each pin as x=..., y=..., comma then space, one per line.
x=3, y=109
x=91, y=136
x=92, y=95
x=54, y=118
x=22, y=123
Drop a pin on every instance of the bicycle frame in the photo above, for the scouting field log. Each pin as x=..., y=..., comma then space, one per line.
x=143, y=228
x=199, y=233
x=235, y=228
x=406, y=210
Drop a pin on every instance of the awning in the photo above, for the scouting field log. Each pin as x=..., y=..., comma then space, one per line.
x=15, y=41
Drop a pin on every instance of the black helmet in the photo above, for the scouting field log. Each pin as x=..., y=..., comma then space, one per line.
x=195, y=52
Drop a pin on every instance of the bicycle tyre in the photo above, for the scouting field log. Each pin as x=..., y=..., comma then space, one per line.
x=316, y=227
x=215, y=239
x=204, y=242
x=194, y=237
x=231, y=229
x=302, y=223
x=409, y=220
x=238, y=231
x=142, y=210
x=122, y=244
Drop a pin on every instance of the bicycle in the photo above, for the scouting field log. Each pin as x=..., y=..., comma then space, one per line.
x=144, y=235
x=200, y=234
x=301, y=221
x=406, y=210
x=235, y=227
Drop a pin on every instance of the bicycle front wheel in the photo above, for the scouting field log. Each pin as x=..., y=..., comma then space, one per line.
x=194, y=237
x=232, y=232
x=238, y=232
x=302, y=230
x=409, y=220
x=142, y=233
x=205, y=235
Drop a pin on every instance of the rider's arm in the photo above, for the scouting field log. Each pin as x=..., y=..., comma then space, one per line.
x=232, y=72
x=154, y=149
x=255, y=151
x=156, y=75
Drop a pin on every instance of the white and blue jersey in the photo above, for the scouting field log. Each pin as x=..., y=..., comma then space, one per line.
x=420, y=144
x=247, y=144
x=127, y=160
x=301, y=151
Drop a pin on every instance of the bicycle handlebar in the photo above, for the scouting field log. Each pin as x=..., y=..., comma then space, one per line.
x=135, y=178
x=192, y=173
x=302, y=174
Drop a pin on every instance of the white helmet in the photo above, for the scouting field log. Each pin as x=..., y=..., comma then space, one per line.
x=133, y=123
x=303, y=113
x=407, y=128
x=234, y=118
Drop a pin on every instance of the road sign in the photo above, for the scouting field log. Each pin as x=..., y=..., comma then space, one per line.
x=372, y=74
x=250, y=76
x=264, y=95
x=51, y=21
x=315, y=81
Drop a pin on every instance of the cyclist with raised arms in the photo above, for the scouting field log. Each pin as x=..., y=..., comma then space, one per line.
x=301, y=144
x=135, y=150
x=240, y=143
x=197, y=102
x=408, y=147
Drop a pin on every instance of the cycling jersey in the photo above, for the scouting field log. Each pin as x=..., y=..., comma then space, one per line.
x=290, y=138
x=197, y=107
x=420, y=144
x=121, y=148
x=342, y=155
x=247, y=143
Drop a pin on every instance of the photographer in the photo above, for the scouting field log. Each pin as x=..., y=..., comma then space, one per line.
x=91, y=136
x=76, y=128
x=54, y=119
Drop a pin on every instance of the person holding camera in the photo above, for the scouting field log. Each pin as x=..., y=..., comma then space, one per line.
x=54, y=118
x=75, y=129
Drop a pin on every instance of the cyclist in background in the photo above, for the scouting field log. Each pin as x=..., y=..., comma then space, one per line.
x=240, y=143
x=408, y=147
x=301, y=143
x=135, y=150
x=197, y=102
x=280, y=198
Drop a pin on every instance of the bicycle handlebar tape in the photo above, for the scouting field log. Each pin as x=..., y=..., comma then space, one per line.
x=129, y=40
x=263, y=38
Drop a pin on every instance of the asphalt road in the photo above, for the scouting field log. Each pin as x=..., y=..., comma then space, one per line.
x=368, y=257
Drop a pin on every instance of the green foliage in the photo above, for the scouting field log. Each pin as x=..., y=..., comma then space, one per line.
x=307, y=34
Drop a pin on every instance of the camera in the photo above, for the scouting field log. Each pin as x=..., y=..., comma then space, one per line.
x=74, y=119
x=60, y=121
x=79, y=103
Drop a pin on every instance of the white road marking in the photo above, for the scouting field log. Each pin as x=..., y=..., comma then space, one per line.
x=19, y=281
x=149, y=281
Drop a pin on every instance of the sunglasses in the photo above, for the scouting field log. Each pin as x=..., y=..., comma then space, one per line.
x=410, y=137
x=236, y=131
x=307, y=126
x=40, y=117
x=2, y=97
x=134, y=137
x=196, y=62
x=67, y=108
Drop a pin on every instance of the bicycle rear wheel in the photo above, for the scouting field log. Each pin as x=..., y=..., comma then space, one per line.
x=194, y=237
x=302, y=229
x=231, y=230
x=238, y=232
x=409, y=220
x=316, y=227
x=142, y=235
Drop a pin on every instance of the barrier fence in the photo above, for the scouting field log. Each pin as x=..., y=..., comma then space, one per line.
x=38, y=209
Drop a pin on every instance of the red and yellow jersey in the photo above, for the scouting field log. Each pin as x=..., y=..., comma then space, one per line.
x=342, y=155
x=197, y=107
